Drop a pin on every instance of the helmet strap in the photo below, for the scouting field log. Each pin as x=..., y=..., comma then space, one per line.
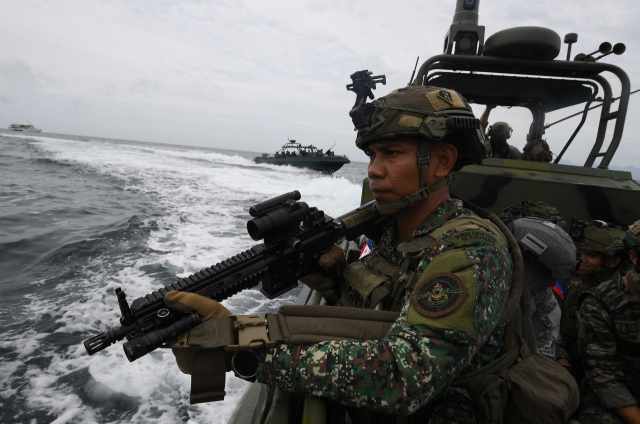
x=424, y=160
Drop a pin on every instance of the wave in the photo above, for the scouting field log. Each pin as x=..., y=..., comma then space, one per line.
x=172, y=212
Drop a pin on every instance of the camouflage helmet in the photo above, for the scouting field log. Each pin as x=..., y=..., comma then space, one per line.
x=598, y=236
x=501, y=128
x=431, y=114
x=537, y=151
x=632, y=237
x=530, y=209
x=548, y=245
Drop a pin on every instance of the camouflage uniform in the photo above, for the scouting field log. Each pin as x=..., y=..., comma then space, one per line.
x=609, y=350
x=566, y=346
x=415, y=363
x=537, y=151
x=606, y=240
x=545, y=315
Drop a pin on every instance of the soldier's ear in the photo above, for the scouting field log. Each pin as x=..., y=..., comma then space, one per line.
x=633, y=256
x=612, y=261
x=444, y=157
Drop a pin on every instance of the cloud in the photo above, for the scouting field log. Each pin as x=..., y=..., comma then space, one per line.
x=6, y=100
x=260, y=70
x=78, y=104
x=17, y=71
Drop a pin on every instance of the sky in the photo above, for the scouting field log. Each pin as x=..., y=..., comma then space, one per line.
x=247, y=74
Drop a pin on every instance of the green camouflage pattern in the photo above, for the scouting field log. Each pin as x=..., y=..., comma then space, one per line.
x=592, y=411
x=610, y=354
x=567, y=344
x=500, y=183
x=412, y=365
x=423, y=112
x=605, y=240
x=537, y=151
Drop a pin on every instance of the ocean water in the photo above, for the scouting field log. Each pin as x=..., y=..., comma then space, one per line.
x=80, y=217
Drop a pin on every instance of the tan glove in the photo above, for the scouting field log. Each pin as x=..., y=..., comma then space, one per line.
x=332, y=260
x=186, y=345
x=191, y=302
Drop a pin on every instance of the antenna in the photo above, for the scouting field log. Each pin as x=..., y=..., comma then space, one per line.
x=570, y=39
x=414, y=71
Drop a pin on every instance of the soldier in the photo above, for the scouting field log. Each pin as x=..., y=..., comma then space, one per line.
x=445, y=270
x=610, y=344
x=602, y=248
x=537, y=151
x=498, y=135
x=549, y=255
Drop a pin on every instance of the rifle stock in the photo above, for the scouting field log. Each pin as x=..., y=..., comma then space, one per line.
x=295, y=236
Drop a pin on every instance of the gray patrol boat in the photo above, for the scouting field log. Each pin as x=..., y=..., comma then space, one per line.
x=295, y=154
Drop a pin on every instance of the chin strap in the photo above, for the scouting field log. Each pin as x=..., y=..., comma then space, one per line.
x=419, y=195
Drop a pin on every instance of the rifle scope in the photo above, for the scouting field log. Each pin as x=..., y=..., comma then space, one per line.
x=278, y=220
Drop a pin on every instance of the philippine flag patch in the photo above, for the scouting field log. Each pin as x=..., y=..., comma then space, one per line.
x=366, y=249
x=559, y=290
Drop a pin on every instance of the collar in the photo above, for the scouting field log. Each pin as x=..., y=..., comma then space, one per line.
x=436, y=219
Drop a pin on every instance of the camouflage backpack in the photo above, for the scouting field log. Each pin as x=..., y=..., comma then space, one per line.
x=537, y=151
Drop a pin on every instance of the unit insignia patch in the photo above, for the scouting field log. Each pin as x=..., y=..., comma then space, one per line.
x=439, y=295
x=446, y=96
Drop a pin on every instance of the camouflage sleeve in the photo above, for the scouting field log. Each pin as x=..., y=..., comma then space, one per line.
x=414, y=362
x=561, y=352
x=546, y=322
x=602, y=368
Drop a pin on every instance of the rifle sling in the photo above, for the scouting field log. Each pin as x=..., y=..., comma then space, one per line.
x=304, y=324
x=208, y=378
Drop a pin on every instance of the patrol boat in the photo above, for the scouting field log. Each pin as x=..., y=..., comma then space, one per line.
x=295, y=154
x=515, y=67
x=26, y=127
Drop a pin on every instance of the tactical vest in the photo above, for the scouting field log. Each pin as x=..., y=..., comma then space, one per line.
x=573, y=296
x=375, y=280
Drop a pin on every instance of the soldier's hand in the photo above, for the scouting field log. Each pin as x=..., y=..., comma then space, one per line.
x=191, y=302
x=333, y=260
x=186, y=345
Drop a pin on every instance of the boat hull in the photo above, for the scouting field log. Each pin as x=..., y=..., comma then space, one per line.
x=326, y=164
x=31, y=131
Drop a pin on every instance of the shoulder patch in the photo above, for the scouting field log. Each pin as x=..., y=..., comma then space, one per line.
x=458, y=268
x=439, y=295
x=470, y=236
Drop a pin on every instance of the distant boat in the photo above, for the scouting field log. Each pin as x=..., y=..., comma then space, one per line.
x=27, y=127
x=295, y=154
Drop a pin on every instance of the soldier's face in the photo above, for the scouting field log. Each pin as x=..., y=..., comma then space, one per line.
x=393, y=168
x=593, y=261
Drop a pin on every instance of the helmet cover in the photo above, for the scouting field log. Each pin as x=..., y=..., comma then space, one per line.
x=601, y=237
x=426, y=112
x=547, y=244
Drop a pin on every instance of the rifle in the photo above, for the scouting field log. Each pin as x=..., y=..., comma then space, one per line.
x=295, y=235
